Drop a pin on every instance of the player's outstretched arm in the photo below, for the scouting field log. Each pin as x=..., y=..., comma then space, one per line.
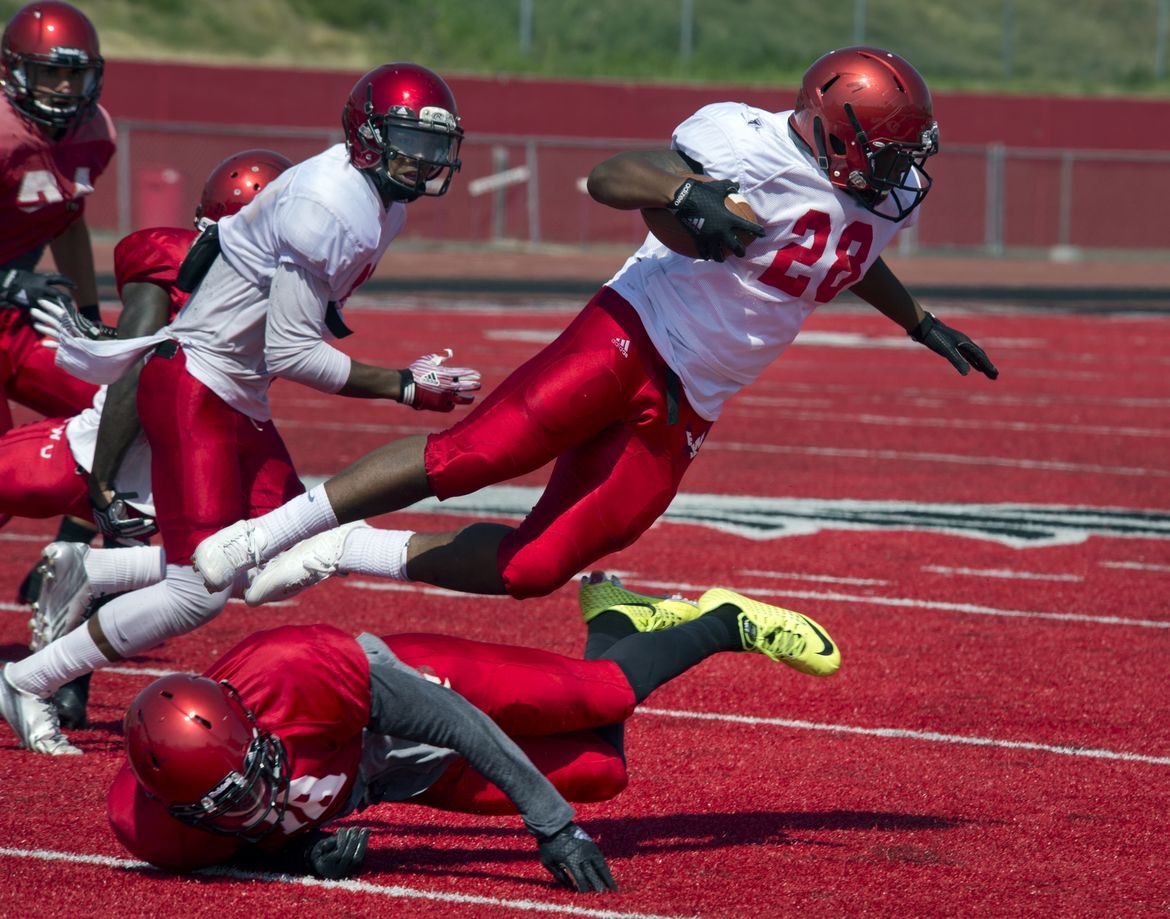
x=881, y=289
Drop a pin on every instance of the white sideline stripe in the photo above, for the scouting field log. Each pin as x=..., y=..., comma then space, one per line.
x=801, y=576
x=930, y=736
x=1003, y=573
x=1135, y=566
x=921, y=604
x=385, y=890
x=918, y=456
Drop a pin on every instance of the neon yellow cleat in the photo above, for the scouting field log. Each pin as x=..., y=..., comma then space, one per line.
x=600, y=592
x=778, y=633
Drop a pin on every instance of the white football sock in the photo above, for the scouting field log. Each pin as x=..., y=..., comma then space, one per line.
x=132, y=623
x=70, y=656
x=113, y=570
x=304, y=516
x=378, y=552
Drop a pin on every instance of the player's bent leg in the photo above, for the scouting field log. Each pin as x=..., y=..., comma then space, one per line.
x=138, y=621
x=777, y=633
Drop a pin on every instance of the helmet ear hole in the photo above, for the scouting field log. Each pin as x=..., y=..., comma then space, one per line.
x=837, y=144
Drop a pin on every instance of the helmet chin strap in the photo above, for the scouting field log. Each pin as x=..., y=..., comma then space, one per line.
x=389, y=190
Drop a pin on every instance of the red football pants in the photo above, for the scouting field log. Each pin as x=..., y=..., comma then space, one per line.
x=546, y=702
x=210, y=464
x=598, y=401
x=38, y=475
x=29, y=376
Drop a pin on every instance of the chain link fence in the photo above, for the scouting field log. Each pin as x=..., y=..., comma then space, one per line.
x=990, y=199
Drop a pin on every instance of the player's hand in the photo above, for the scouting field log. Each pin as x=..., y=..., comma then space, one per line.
x=21, y=289
x=336, y=855
x=702, y=207
x=575, y=861
x=953, y=345
x=115, y=520
x=432, y=385
x=56, y=319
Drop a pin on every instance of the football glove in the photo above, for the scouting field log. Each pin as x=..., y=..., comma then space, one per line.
x=953, y=345
x=116, y=520
x=573, y=858
x=701, y=207
x=430, y=384
x=54, y=319
x=21, y=289
x=333, y=856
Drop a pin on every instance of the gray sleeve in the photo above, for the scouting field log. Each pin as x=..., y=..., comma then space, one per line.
x=404, y=704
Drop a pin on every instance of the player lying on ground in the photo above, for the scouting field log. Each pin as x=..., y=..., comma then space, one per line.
x=297, y=727
x=624, y=398
x=268, y=287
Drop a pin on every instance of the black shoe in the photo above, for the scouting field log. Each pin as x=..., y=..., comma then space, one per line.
x=30, y=588
x=71, y=701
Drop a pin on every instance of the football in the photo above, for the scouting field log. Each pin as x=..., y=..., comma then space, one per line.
x=673, y=233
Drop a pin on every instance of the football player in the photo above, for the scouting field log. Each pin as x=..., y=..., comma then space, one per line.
x=55, y=142
x=624, y=398
x=267, y=286
x=299, y=726
x=96, y=465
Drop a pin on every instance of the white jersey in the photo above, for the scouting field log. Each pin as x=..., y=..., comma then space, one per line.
x=134, y=472
x=323, y=217
x=719, y=324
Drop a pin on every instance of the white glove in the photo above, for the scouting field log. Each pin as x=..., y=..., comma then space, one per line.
x=55, y=320
x=432, y=385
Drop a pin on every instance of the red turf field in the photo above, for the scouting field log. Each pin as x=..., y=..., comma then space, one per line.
x=992, y=558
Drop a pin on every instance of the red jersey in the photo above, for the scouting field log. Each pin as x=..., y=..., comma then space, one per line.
x=308, y=685
x=153, y=256
x=43, y=182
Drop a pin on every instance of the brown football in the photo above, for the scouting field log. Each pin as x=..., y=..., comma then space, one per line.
x=673, y=233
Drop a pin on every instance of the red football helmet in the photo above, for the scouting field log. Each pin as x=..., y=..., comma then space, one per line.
x=196, y=748
x=866, y=115
x=401, y=125
x=52, y=64
x=236, y=181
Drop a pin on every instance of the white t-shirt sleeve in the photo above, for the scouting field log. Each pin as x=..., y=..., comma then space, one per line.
x=315, y=238
x=702, y=139
x=294, y=346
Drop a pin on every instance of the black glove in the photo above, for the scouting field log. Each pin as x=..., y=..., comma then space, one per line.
x=115, y=520
x=702, y=208
x=953, y=345
x=21, y=289
x=575, y=861
x=332, y=856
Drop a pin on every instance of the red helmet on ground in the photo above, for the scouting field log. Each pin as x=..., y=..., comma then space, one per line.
x=866, y=115
x=236, y=181
x=401, y=125
x=196, y=748
x=52, y=64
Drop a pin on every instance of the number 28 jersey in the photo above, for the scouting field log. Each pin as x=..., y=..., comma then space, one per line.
x=719, y=324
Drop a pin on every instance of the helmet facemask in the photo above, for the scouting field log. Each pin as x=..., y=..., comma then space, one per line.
x=417, y=154
x=247, y=805
x=33, y=80
x=895, y=180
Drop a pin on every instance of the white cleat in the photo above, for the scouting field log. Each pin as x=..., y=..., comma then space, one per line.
x=33, y=720
x=309, y=562
x=222, y=556
x=65, y=592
